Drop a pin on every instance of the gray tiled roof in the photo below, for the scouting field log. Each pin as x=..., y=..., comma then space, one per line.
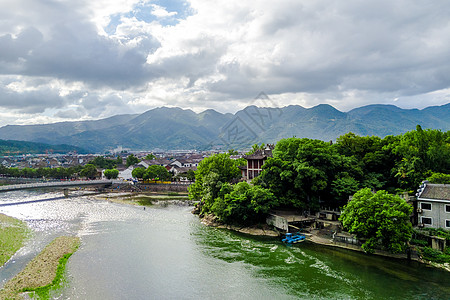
x=436, y=191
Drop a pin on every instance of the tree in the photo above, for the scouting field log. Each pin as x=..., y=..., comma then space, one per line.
x=255, y=148
x=379, y=219
x=132, y=160
x=439, y=178
x=243, y=203
x=211, y=174
x=156, y=172
x=103, y=162
x=138, y=172
x=233, y=152
x=111, y=173
x=119, y=160
x=301, y=172
x=422, y=152
x=372, y=158
x=89, y=171
x=150, y=156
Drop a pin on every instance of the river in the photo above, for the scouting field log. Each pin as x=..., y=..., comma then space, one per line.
x=166, y=253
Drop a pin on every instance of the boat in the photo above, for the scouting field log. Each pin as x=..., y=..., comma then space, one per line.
x=293, y=238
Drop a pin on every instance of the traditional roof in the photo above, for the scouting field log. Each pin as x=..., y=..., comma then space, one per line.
x=435, y=191
x=259, y=154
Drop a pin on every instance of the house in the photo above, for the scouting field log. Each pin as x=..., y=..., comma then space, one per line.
x=179, y=172
x=125, y=173
x=160, y=162
x=255, y=162
x=433, y=205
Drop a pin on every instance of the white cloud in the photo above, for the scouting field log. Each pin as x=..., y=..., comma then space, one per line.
x=161, y=12
x=90, y=59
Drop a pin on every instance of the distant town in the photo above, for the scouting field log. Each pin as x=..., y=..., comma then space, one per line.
x=176, y=162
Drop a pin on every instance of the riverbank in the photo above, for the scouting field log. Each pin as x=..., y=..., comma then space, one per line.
x=44, y=272
x=13, y=234
x=258, y=230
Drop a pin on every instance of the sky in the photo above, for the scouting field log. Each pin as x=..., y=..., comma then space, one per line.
x=64, y=60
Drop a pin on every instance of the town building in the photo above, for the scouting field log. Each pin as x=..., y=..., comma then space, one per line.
x=433, y=205
x=255, y=162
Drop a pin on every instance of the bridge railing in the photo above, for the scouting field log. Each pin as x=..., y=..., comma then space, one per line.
x=24, y=186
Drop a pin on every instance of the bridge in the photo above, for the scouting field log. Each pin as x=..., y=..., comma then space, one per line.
x=55, y=184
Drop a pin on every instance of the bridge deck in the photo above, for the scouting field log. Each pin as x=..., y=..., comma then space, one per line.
x=53, y=184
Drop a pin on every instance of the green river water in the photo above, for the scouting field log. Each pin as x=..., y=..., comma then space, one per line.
x=166, y=253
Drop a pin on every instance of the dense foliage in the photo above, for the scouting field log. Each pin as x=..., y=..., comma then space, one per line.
x=439, y=178
x=213, y=176
x=57, y=173
x=154, y=172
x=89, y=171
x=106, y=163
x=157, y=172
x=132, y=160
x=380, y=220
x=305, y=173
x=308, y=174
x=111, y=173
x=242, y=203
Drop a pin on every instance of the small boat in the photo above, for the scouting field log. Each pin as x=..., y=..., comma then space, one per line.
x=293, y=238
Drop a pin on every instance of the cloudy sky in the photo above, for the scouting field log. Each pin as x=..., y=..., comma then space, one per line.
x=75, y=60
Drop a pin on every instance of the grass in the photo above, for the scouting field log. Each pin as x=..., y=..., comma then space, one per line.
x=45, y=273
x=13, y=234
x=44, y=292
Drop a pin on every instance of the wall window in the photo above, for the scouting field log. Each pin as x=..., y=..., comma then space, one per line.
x=447, y=223
x=425, y=206
x=447, y=208
x=426, y=220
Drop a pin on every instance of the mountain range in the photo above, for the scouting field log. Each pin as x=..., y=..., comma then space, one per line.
x=176, y=128
x=20, y=147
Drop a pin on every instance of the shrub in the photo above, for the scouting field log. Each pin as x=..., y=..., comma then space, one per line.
x=419, y=242
x=434, y=255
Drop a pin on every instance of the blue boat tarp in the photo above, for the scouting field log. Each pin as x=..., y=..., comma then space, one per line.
x=294, y=238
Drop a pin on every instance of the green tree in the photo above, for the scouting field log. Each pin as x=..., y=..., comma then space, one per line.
x=372, y=159
x=150, y=156
x=422, y=152
x=89, y=171
x=156, y=172
x=190, y=175
x=379, y=219
x=255, y=148
x=103, y=162
x=211, y=174
x=138, y=172
x=132, y=160
x=111, y=173
x=243, y=203
x=301, y=172
x=119, y=160
x=439, y=178
x=233, y=152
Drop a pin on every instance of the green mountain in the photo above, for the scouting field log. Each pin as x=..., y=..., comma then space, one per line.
x=175, y=128
x=8, y=147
